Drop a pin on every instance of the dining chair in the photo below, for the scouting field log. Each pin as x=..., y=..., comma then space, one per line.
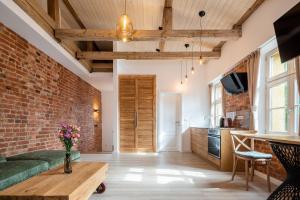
x=243, y=149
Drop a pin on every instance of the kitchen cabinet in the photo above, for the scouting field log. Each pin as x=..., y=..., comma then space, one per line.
x=199, y=145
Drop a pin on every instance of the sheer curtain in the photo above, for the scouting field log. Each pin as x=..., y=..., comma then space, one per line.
x=297, y=61
x=252, y=64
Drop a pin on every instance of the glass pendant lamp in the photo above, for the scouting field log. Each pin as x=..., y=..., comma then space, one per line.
x=124, y=27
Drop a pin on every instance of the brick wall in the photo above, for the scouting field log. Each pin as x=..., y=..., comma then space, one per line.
x=236, y=102
x=241, y=102
x=36, y=95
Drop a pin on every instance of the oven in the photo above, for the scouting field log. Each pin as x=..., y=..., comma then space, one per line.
x=214, y=142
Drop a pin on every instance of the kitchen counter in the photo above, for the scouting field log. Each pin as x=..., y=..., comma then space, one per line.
x=281, y=138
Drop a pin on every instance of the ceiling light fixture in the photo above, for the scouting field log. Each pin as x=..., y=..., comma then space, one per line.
x=201, y=14
x=124, y=27
x=186, y=47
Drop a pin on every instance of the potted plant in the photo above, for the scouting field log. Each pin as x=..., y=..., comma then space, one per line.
x=69, y=136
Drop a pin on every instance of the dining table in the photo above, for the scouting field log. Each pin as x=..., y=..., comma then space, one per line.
x=287, y=150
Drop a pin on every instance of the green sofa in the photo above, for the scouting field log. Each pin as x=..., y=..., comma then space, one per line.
x=12, y=172
x=18, y=168
x=53, y=157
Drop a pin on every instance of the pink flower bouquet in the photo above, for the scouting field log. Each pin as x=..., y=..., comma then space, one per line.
x=69, y=136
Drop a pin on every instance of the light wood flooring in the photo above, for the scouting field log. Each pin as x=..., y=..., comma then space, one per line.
x=171, y=176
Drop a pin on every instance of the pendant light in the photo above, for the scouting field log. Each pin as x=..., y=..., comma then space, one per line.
x=193, y=69
x=186, y=47
x=124, y=27
x=201, y=14
x=181, y=82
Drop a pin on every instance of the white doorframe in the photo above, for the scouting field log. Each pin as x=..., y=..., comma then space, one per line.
x=178, y=123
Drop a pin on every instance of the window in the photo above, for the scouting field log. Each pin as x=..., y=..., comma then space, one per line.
x=283, y=101
x=216, y=110
x=296, y=107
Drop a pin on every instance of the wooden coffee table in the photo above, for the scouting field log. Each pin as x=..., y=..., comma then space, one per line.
x=87, y=177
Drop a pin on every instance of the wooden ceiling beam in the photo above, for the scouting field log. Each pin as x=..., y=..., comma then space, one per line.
x=102, y=67
x=248, y=13
x=41, y=17
x=101, y=55
x=73, y=13
x=167, y=22
x=53, y=8
x=219, y=46
x=144, y=35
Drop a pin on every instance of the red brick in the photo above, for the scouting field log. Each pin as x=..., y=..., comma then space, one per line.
x=36, y=95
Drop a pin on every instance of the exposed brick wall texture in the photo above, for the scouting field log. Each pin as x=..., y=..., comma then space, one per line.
x=242, y=102
x=36, y=95
x=236, y=102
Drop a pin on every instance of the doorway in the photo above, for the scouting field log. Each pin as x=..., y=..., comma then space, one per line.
x=169, y=138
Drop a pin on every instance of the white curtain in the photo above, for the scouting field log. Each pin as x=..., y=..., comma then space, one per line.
x=252, y=64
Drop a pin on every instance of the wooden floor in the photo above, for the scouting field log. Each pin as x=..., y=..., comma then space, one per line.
x=171, y=176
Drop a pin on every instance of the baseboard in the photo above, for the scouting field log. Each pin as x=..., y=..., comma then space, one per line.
x=264, y=176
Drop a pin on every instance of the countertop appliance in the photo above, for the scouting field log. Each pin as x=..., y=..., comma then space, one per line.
x=214, y=142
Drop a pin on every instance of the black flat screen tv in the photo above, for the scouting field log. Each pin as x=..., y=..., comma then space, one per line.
x=235, y=83
x=287, y=30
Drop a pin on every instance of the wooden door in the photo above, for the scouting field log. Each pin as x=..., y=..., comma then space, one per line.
x=137, y=101
x=127, y=103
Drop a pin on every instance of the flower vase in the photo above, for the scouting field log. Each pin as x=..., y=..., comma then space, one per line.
x=67, y=163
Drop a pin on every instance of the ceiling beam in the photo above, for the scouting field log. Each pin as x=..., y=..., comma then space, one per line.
x=144, y=35
x=167, y=21
x=53, y=8
x=248, y=13
x=41, y=17
x=73, y=13
x=101, y=55
x=219, y=46
x=102, y=67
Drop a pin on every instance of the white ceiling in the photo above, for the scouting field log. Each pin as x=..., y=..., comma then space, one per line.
x=147, y=15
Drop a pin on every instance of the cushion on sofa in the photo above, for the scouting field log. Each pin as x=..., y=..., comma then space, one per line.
x=12, y=172
x=53, y=157
x=2, y=159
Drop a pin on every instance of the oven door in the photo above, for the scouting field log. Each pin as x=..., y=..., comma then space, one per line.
x=214, y=144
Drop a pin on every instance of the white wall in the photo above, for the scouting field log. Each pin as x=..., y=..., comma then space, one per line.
x=256, y=31
x=107, y=121
x=194, y=92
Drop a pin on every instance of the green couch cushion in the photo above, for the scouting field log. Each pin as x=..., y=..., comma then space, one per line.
x=12, y=172
x=2, y=159
x=53, y=157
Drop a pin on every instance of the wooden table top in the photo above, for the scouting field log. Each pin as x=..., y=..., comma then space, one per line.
x=281, y=138
x=54, y=184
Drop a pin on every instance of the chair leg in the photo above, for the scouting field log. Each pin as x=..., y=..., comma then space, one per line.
x=252, y=169
x=246, y=173
x=234, y=167
x=268, y=175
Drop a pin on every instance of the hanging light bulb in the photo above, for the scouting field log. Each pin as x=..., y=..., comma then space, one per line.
x=201, y=14
x=186, y=76
x=181, y=82
x=201, y=61
x=124, y=27
x=193, y=69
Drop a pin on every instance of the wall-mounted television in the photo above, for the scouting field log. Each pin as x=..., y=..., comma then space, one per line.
x=287, y=30
x=235, y=83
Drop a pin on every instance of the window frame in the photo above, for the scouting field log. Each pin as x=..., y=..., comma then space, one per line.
x=214, y=102
x=290, y=77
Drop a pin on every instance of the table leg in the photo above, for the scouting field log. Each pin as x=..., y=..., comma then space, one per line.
x=289, y=156
x=101, y=188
